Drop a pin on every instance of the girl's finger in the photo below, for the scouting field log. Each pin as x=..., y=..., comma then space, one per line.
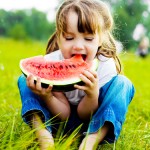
x=89, y=75
x=80, y=87
x=38, y=84
x=94, y=73
x=86, y=80
x=30, y=82
x=47, y=90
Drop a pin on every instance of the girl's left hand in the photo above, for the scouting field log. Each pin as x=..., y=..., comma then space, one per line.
x=90, y=78
x=37, y=88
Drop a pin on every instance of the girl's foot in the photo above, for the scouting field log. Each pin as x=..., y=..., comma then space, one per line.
x=90, y=142
x=45, y=139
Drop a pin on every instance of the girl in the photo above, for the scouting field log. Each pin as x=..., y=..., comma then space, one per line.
x=82, y=27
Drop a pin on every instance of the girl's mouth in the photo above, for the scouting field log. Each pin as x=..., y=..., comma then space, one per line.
x=83, y=56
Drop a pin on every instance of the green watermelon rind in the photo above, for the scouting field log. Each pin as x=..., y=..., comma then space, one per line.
x=63, y=85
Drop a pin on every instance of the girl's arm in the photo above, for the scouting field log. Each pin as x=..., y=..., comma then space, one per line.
x=56, y=102
x=89, y=103
x=58, y=105
x=87, y=107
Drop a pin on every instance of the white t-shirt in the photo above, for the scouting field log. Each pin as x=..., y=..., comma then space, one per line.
x=106, y=71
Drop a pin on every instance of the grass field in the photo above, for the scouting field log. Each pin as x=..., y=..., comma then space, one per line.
x=15, y=134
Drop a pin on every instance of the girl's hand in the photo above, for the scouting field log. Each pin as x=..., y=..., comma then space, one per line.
x=90, y=78
x=55, y=102
x=37, y=89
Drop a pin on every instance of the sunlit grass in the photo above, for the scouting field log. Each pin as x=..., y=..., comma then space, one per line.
x=15, y=134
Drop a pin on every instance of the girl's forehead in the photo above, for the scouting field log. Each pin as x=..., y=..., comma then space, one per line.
x=72, y=19
x=82, y=22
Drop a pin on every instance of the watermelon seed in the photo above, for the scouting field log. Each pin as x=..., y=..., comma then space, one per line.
x=61, y=67
x=70, y=66
x=73, y=66
x=54, y=66
x=50, y=67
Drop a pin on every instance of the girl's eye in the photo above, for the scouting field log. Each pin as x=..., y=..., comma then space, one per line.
x=69, y=38
x=89, y=38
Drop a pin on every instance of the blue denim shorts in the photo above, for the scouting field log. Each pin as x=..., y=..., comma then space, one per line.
x=114, y=99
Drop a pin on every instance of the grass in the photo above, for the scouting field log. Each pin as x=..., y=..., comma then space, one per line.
x=15, y=134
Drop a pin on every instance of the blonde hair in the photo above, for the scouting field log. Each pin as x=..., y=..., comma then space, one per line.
x=94, y=16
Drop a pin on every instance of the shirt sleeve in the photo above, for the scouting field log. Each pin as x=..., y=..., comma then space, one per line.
x=56, y=55
x=106, y=70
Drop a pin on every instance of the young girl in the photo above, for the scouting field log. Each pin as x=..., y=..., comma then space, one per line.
x=82, y=27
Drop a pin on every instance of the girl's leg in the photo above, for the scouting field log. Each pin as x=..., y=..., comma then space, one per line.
x=34, y=113
x=107, y=122
x=91, y=141
x=44, y=137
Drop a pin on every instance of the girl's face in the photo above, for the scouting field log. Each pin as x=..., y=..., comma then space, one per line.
x=73, y=42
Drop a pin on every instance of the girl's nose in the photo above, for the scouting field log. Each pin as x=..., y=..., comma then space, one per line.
x=78, y=46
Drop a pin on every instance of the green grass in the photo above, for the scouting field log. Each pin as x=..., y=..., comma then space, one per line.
x=15, y=134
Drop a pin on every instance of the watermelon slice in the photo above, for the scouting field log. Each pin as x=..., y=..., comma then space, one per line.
x=61, y=74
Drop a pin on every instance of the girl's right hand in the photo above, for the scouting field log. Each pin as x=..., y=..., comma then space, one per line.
x=37, y=88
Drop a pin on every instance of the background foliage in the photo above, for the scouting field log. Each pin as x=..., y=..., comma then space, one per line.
x=24, y=24
x=127, y=15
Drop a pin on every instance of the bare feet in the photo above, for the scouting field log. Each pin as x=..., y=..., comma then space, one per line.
x=90, y=142
x=44, y=137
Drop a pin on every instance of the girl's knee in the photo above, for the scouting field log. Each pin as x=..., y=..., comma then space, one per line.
x=124, y=81
x=126, y=85
x=21, y=80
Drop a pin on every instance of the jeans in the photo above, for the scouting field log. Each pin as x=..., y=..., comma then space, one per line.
x=114, y=99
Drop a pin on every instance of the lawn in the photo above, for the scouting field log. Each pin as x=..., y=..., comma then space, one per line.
x=15, y=134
